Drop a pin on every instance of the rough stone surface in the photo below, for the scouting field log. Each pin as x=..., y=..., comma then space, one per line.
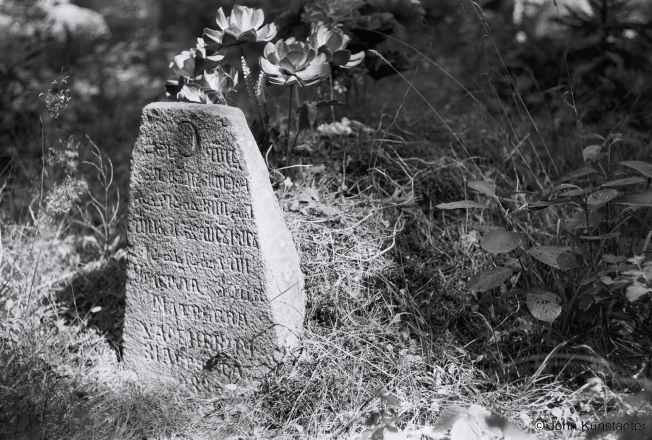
x=214, y=289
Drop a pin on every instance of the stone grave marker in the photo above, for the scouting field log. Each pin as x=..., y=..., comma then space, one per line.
x=214, y=289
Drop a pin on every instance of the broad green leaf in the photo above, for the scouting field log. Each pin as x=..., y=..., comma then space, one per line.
x=640, y=166
x=542, y=204
x=543, y=305
x=639, y=199
x=585, y=301
x=485, y=188
x=591, y=152
x=613, y=259
x=500, y=241
x=467, y=428
x=589, y=280
x=488, y=279
x=635, y=291
x=624, y=182
x=600, y=198
x=393, y=433
x=307, y=115
x=582, y=172
x=633, y=141
x=563, y=186
x=461, y=205
x=617, y=268
x=330, y=103
x=593, y=136
x=575, y=192
x=555, y=256
x=446, y=420
x=482, y=416
x=601, y=237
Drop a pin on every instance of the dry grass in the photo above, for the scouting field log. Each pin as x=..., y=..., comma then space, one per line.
x=369, y=324
x=387, y=305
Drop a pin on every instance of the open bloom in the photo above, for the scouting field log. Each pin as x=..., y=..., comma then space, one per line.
x=184, y=64
x=244, y=24
x=332, y=42
x=208, y=88
x=194, y=62
x=215, y=55
x=294, y=62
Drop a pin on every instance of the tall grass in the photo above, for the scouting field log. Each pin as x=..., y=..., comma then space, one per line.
x=398, y=341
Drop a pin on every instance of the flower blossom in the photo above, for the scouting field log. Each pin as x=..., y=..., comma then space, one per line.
x=332, y=42
x=208, y=88
x=294, y=62
x=194, y=62
x=244, y=24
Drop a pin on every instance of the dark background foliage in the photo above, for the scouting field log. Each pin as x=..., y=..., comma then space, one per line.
x=115, y=58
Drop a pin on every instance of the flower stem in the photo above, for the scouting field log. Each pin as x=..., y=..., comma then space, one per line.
x=252, y=92
x=287, y=137
x=294, y=143
x=330, y=77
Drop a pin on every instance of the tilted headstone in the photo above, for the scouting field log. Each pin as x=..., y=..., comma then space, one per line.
x=214, y=289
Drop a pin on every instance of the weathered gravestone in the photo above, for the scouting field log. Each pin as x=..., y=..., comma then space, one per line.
x=214, y=289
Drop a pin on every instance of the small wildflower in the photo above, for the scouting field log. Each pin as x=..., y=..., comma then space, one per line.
x=57, y=98
x=64, y=196
x=259, y=86
x=339, y=86
x=335, y=128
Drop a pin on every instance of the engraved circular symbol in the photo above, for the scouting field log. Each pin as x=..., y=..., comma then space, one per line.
x=188, y=139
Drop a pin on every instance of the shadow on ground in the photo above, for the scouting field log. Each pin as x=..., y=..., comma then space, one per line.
x=99, y=284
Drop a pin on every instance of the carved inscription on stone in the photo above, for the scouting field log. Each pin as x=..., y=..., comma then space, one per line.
x=214, y=290
x=188, y=142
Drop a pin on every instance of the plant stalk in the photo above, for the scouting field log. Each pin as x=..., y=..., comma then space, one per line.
x=252, y=91
x=287, y=136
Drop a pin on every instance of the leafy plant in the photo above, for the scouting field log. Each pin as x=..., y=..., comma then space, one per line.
x=587, y=227
x=383, y=421
x=605, y=46
x=474, y=423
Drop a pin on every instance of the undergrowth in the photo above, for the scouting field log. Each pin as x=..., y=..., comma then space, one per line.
x=486, y=275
